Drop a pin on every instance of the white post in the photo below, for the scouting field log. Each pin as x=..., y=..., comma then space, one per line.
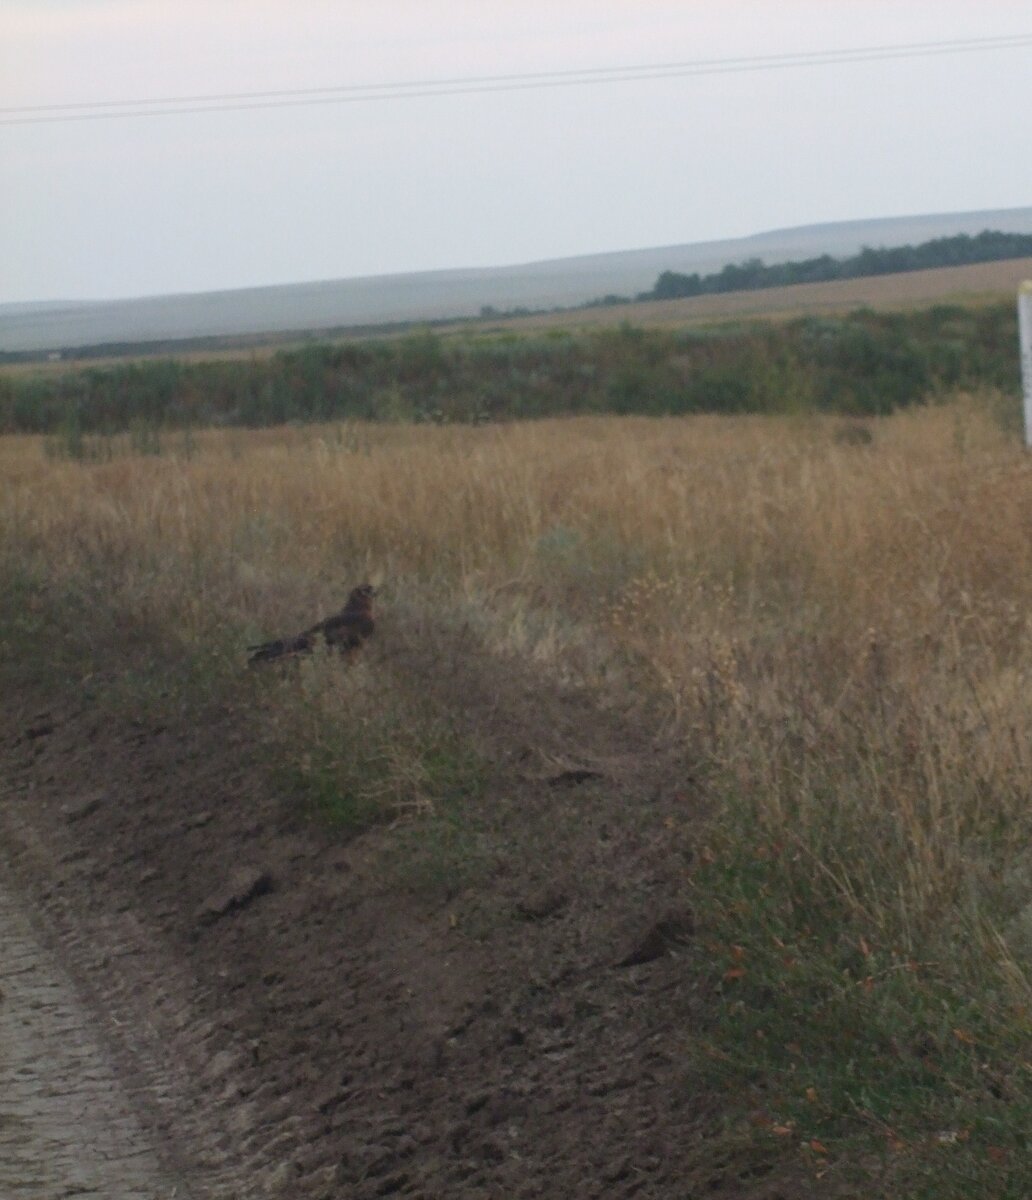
x=1025, y=336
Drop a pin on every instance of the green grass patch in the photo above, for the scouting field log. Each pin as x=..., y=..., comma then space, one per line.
x=861, y=364
x=42, y=643
x=442, y=852
x=842, y=1053
x=358, y=751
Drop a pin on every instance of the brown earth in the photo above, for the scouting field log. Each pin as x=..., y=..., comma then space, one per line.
x=67, y=1127
x=300, y=1013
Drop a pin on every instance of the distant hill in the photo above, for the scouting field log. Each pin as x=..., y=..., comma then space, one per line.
x=436, y=295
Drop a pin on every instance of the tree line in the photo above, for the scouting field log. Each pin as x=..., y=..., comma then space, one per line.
x=960, y=250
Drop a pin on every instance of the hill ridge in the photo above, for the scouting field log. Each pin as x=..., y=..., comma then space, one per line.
x=452, y=292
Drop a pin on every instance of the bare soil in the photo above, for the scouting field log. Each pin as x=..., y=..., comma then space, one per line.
x=67, y=1125
x=297, y=1012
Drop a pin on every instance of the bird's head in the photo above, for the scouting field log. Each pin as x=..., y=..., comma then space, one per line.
x=362, y=596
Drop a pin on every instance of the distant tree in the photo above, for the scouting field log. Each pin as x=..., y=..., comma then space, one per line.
x=961, y=250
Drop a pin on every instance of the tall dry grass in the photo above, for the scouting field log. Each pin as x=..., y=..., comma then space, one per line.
x=840, y=631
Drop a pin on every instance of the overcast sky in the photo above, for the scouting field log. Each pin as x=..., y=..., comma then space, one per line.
x=99, y=209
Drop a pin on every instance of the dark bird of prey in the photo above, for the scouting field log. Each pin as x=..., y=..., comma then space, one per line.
x=345, y=630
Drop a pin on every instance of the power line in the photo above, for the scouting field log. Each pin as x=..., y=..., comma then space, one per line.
x=479, y=84
x=544, y=77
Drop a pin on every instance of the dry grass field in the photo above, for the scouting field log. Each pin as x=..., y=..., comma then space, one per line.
x=981, y=283
x=826, y=627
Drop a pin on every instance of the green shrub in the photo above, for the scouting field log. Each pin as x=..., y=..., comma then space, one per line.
x=861, y=364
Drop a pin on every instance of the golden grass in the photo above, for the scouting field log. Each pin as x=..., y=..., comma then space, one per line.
x=823, y=623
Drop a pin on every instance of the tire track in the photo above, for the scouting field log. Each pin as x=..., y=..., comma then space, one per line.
x=67, y=1127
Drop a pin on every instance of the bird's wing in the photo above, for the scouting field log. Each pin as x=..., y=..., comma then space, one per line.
x=322, y=625
x=347, y=630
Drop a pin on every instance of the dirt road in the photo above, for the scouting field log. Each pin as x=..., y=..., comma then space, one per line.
x=351, y=1027
x=67, y=1125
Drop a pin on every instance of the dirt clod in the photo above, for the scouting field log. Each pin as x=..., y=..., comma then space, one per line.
x=658, y=938
x=573, y=777
x=244, y=884
x=85, y=806
x=546, y=902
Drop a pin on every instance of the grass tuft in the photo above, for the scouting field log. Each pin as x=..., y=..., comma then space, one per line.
x=361, y=752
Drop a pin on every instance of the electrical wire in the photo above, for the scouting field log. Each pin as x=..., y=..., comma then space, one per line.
x=482, y=84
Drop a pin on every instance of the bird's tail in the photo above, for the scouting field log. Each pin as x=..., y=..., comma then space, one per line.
x=269, y=651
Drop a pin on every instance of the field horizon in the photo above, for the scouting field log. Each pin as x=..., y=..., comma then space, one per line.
x=973, y=286
x=442, y=295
